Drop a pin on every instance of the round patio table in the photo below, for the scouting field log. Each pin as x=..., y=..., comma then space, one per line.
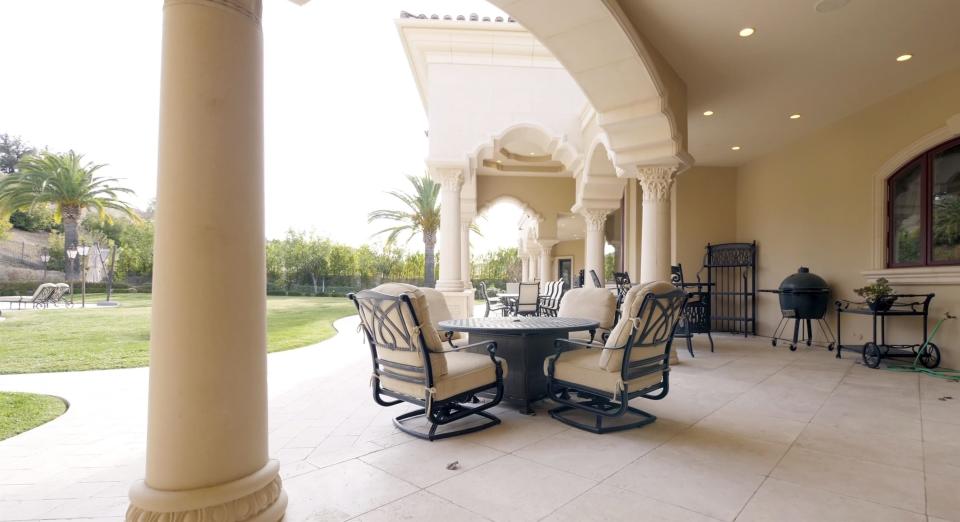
x=524, y=342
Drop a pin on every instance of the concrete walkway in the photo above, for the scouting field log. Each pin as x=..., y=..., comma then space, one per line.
x=80, y=465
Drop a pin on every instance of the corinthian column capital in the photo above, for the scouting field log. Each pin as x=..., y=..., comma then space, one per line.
x=449, y=178
x=595, y=217
x=252, y=9
x=656, y=181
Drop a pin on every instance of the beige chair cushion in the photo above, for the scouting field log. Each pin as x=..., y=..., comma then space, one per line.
x=612, y=360
x=412, y=355
x=598, y=304
x=465, y=371
x=439, y=311
x=582, y=367
x=585, y=336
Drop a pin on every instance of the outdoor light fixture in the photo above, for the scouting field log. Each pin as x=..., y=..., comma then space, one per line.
x=747, y=31
x=82, y=251
x=735, y=147
x=72, y=252
x=904, y=57
x=708, y=113
x=794, y=116
x=45, y=259
x=110, y=254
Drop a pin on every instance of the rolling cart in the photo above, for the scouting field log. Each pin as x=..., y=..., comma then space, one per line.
x=903, y=305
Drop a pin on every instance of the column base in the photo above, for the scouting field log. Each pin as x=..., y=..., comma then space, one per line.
x=460, y=303
x=258, y=497
x=447, y=285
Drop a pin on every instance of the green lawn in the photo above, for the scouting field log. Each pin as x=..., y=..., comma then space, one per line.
x=91, y=339
x=20, y=412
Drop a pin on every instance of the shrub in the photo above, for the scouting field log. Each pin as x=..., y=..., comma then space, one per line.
x=37, y=219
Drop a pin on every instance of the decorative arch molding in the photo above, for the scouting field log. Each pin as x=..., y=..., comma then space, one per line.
x=640, y=102
x=528, y=211
x=553, y=143
x=598, y=182
x=917, y=275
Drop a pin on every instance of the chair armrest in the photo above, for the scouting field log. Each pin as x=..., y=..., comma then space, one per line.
x=572, y=343
x=490, y=345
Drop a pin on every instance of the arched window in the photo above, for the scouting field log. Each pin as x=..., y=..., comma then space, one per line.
x=923, y=209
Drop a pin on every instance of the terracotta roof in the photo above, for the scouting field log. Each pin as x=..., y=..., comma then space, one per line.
x=473, y=17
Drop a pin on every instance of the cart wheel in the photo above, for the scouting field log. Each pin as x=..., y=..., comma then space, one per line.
x=930, y=358
x=809, y=342
x=773, y=342
x=871, y=355
x=830, y=347
x=793, y=347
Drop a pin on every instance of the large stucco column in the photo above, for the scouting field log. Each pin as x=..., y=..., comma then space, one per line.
x=451, y=179
x=593, y=243
x=465, y=251
x=546, y=258
x=207, y=453
x=655, y=254
x=524, y=267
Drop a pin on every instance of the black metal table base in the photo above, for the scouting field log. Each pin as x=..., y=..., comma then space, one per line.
x=525, y=382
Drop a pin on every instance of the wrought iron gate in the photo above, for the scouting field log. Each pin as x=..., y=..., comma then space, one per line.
x=732, y=276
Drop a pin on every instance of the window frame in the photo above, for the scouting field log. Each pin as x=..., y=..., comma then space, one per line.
x=925, y=161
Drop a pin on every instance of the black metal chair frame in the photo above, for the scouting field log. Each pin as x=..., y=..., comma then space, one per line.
x=596, y=278
x=436, y=412
x=492, y=306
x=536, y=304
x=696, y=315
x=654, y=325
x=622, y=279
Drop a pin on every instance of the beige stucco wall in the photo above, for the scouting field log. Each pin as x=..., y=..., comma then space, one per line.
x=547, y=196
x=705, y=202
x=812, y=204
x=572, y=249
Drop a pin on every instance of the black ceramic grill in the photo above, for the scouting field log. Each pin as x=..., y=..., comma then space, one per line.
x=804, y=298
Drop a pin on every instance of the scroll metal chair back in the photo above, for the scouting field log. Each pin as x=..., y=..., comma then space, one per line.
x=401, y=354
x=528, y=303
x=645, y=356
x=59, y=290
x=550, y=301
x=622, y=279
x=596, y=278
x=41, y=297
x=697, y=314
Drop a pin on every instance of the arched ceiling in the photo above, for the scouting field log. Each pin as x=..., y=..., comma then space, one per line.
x=640, y=102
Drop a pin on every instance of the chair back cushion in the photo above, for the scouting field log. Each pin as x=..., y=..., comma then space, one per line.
x=612, y=360
x=513, y=288
x=43, y=291
x=439, y=311
x=410, y=355
x=598, y=304
x=529, y=295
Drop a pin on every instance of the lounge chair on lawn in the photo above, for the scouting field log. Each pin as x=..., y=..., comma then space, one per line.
x=40, y=297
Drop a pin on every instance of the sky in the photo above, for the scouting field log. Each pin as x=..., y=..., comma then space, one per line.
x=343, y=120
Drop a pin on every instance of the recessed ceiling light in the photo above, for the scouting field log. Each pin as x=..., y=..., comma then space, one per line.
x=747, y=31
x=735, y=147
x=794, y=116
x=904, y=57
x=708, y=113
x=532, y=154
x=499, y=162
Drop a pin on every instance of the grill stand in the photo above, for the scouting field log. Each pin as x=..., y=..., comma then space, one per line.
x=804, y=335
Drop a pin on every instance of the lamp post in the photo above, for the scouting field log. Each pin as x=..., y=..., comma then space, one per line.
x=83, y=250
x=71, y=255
x=112, y=255
x=45, y=259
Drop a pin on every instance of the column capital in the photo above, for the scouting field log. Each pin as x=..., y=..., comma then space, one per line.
x=450, y=178
x=595, y=217
x=656, y=181
x=547, y=244
x=252, y=9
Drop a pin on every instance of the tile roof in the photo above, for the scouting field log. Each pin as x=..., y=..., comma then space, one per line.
x=473, y=17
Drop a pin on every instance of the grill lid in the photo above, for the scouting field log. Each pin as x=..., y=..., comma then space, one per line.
x=804, y=282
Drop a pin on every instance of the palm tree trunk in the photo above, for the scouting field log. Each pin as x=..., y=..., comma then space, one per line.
x=429, y=261
x=70, y=216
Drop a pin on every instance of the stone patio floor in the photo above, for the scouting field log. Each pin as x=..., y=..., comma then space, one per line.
x=747, y=433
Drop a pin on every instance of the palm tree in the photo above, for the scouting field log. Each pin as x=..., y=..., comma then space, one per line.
x=63, y=181
x=421, y=215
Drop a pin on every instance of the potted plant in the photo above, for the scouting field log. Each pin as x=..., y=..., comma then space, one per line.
x=878, y=295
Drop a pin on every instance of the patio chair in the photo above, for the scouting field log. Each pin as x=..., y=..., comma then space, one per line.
x=596, y=278
x=512, y=288
x=622, y=279
x=528, y=303
x=493, y=303
x=411, y=365
x=39, y=299
x=634, y=362
x=696, y=315
x=590, y=303
x=439, y=311
x=581, y=280
x=59, y=295
x=550, y=300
